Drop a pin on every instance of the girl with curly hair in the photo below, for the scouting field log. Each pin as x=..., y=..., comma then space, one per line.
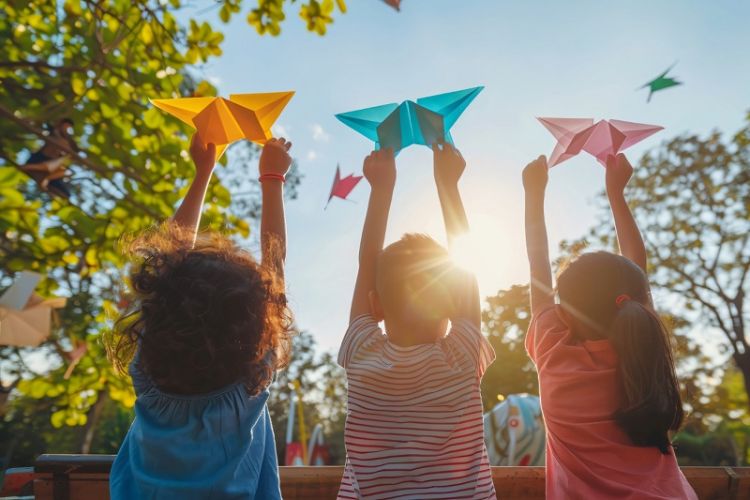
x=207, y=329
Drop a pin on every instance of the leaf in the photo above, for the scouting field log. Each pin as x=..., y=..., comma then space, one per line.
x=78, y=84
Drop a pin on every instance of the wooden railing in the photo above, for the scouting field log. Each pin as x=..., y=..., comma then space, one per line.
x=84, y=477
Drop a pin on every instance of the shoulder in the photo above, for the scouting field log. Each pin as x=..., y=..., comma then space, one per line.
x=547, y=329
x=466, y=339
x=362, y=331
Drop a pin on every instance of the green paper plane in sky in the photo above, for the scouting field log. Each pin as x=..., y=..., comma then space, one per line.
x=661, y=82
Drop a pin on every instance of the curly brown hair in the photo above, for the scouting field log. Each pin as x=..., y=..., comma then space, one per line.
x=201, y=316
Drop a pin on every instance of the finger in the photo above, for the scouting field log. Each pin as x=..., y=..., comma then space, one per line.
x=287, y=146
x=282, y=141
x=389, y=152
x=435, y=147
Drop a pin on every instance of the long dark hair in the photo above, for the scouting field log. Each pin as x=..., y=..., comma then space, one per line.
x=609, y=294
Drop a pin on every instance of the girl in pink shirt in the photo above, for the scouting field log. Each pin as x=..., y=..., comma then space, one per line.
x=607, y=382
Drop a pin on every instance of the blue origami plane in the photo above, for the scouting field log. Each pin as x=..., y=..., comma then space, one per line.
x=425, y=121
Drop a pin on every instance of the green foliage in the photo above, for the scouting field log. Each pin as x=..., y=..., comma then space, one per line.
x=97, y=62
x=323, y=387
x=506, y=319
x=268, y=15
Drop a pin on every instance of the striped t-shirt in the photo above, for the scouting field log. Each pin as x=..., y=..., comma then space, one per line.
x=414, y=417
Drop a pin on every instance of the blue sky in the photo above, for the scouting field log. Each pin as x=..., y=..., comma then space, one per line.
x=535, y=58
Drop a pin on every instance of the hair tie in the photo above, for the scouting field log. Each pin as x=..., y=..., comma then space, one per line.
x=621, y=299
x=271, y=176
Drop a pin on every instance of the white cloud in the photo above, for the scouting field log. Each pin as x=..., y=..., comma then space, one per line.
x=214, y=80
x=311, y=155
x=319, y=134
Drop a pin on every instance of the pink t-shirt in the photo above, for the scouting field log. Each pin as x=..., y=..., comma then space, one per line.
x=588, y=454
x=414, y=423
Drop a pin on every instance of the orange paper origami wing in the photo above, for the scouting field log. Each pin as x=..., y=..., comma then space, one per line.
x=222, y=121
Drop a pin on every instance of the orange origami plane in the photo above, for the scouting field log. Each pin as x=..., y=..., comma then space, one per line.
x=222, y=121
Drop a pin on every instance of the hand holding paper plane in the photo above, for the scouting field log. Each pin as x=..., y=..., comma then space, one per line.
x=342, y=187
x=426, y=121
x=25, y=318
x=222, y=121
x=600, y=139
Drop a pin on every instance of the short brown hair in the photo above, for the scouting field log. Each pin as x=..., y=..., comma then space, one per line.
x=412, y=278
x=202, y=316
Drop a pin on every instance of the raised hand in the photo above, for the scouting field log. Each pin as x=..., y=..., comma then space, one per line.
x=535, y=176
x=448, y=163
x=619, y=172
x=203, y=155
x=380, y=169
x=629, y=237
x=275, y=158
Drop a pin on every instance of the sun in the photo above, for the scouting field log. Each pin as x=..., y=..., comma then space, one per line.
x=486, y=252
x=473, y=254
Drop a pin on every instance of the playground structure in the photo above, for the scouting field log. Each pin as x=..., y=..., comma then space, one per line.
x=303, y=452
x=514, y=431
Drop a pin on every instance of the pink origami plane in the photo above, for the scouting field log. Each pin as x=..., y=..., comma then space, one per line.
x=342, y=187
x=600, y=139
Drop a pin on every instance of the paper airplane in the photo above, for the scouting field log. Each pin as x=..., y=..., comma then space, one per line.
x=222, y=121
x=600, y=139
x=342, y=187
x=396, y=4
x=661, y=82
x=425, y=121
x=25, y=318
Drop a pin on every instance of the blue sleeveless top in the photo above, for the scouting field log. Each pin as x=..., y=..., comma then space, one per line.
x=208, y=446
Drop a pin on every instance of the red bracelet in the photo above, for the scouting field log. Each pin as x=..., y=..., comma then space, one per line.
x=275, y=177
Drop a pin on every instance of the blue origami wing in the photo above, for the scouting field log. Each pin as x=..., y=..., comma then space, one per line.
x=410, y=124
x=425, y=121
x=395, y=130
x=429, y=126
x=450, y=105
x=366, y=121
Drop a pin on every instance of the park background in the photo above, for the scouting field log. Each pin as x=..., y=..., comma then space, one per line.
x=99, y=62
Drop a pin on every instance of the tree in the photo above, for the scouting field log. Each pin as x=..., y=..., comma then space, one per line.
x=268, y=15
x=97, y=62
x=323, y=385
x=691, y=198
x=506, y=319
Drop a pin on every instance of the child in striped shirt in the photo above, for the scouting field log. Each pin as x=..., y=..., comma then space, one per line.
x=414, y=422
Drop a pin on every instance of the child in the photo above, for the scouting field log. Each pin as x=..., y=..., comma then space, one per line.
x=209, y=328
x=414, y=423
x=606, y=376
x=47, y=166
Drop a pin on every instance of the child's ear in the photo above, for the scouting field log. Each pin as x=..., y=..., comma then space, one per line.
x=376, y=308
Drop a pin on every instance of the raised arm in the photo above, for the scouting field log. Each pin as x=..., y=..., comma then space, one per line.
x=448, y=166
x=188, y=214
x=537, y=248
x=380, y=171
x=273, y=166
x=629, y=237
